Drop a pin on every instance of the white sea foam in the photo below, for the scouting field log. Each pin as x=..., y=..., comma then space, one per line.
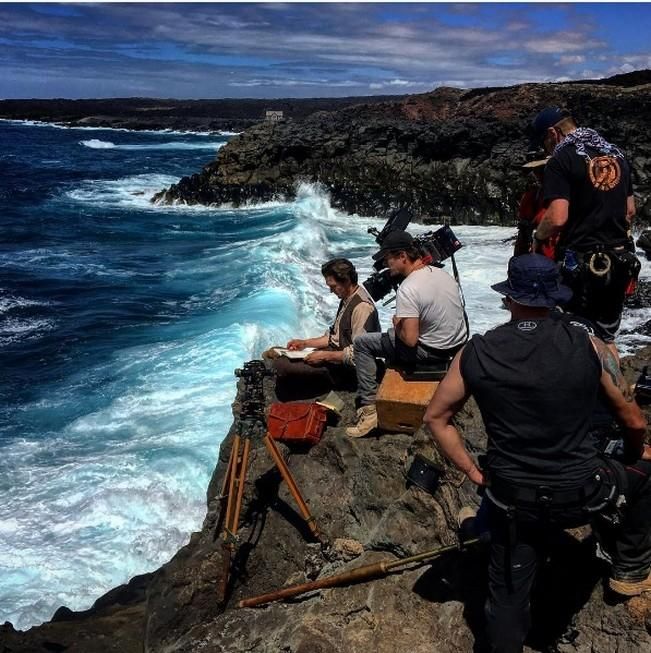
x=137, y=191
x=174, y=132
x=117, y=490
x=132, y=192
x=9, y=303
x=15, y=329
x=97, y=144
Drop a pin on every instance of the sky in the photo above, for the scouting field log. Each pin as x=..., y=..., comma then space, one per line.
x=273, y=50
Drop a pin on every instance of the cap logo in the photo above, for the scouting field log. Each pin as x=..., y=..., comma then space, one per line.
x=527, y=325
x=604, y=172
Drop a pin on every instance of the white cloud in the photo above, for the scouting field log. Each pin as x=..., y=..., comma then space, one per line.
x=570, y=59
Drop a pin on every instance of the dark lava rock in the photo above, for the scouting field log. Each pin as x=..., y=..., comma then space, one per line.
x=357, y=491
x=450, y=154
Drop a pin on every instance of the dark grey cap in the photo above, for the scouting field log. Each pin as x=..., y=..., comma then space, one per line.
x=395, y=241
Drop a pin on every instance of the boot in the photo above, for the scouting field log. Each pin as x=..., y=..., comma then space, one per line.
x=466, y=521
x=366, y=422
x=630, y=587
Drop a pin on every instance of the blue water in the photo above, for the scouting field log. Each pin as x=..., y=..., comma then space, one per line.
x=121, y=324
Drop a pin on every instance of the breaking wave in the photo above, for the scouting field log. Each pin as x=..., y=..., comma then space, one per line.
x=97, y=144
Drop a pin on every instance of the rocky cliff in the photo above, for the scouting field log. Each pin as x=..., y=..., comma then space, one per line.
x=357, y=491
x=449, y=154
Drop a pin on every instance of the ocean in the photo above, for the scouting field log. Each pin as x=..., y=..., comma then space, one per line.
x=121, y=323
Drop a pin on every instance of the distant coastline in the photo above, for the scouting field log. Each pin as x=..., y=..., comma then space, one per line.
x=147, y=114
x=172, y=132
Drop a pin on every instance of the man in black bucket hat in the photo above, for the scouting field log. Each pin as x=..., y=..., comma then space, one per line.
x=536, y=381
x=533, y=281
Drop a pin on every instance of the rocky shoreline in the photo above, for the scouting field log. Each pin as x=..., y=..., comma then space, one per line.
x=451, y=155
x=357, y=491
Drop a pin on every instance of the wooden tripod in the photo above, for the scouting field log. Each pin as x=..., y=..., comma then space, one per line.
x=233, y=492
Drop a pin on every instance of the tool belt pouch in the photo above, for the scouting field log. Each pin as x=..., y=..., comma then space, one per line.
x=611, y=268
x=298, y=423
x=627, y=269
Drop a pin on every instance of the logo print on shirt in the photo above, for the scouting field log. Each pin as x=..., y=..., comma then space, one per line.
x=527, y=325
x=583, y=326
x=604, y=172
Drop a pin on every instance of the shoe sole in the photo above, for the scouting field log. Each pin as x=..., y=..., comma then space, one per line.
x=464, y=515
x=626, y=589
x=361, y=435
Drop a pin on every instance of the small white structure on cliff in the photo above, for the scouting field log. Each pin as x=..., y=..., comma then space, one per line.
x=273, y=116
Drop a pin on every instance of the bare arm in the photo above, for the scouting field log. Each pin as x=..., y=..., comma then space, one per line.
x=320, y=342
x=621, y=400
x=630, y=209
x=324, y=356
x=554, y=220
x=407, y=329
x=447, y=401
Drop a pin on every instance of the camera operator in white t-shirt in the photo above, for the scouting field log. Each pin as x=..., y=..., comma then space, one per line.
x=429, y=324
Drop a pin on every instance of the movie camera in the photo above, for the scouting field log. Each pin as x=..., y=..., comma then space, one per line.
x=435, y=246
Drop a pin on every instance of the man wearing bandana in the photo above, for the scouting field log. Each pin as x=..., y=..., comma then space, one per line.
x=589, y=197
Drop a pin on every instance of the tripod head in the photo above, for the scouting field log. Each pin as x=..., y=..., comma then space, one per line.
x=252, y=403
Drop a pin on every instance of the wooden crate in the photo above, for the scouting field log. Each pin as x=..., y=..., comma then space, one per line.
x=401, y=404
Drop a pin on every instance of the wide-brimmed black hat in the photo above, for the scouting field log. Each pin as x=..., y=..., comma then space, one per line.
x=534, y=280
x=395, y=241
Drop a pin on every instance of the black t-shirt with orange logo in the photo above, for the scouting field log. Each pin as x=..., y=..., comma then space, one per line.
x=596, y=190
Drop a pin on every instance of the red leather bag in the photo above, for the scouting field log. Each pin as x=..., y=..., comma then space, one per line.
x=299, y=423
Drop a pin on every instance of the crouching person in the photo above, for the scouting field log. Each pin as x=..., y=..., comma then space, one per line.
x=536, y=380
x=331, y=366
x=429, y=324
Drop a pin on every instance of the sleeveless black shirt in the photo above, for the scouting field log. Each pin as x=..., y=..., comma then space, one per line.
x=536, y=384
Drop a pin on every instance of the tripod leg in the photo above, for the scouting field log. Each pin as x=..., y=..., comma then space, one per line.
x=232, y=476
x=236, y=478
x=229, y=472
x=291, y=484
x=241, y=479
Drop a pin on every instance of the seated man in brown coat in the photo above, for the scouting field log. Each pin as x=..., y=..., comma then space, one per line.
x=331, y=365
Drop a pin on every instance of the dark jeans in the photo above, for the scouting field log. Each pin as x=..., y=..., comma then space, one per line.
x=298, y=380
x=518, y=544
x=370, y=346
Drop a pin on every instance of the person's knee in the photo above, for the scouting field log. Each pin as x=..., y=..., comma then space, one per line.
x=366, y=342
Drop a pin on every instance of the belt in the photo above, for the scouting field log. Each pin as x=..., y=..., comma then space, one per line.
x=544, y=495
x=444, y=353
